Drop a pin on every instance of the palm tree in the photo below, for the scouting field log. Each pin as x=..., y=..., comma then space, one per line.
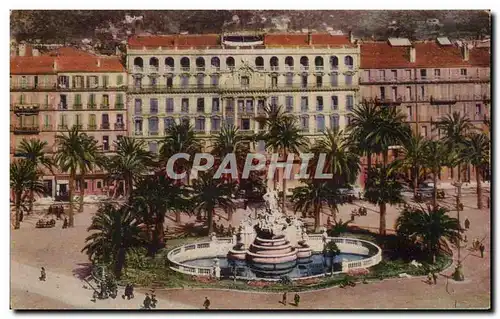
x=115, y=232
x=179, y=138
x=209, y=193
x=363, y=121
x=253, y=188
x=70, y=157
x=152, y=199
x=429, y=227
x=313, y=195
x=90, y=158
x=383, y=188
x=24, y=177
x=34, y=151
x=413, y=152
x=477, y=153
x=340, y=159
x=130, y=162
x=436, y=155
x=284, y=137
x=455, y=128
x=331, y=249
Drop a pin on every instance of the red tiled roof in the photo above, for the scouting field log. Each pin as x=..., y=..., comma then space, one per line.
x=69, y=51
x=89, y=64
x=170, y=41
x=32, y=65
x=318, y=39
x=380, y=55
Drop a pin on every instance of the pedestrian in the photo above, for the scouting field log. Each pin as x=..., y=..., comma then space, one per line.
x=296, y=299
x=206, y=304
x=475, y=244
x=434, y=277
x=467, y=223
x=65, y=223
x=147, y=302
x=429, y=278
x=481, y=249
x=284, y=298
x=43, y=275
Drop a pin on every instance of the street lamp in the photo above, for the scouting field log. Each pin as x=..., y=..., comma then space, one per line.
x=458, y=274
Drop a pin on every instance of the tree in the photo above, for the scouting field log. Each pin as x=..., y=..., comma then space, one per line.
x=24, y=178
x=152, y=199
x=130, y=162
x=74, y=155
x=383, y=188
x=209, y=193
x=91, y=157
x=115, y=232
x=332, y=250
x=428, y=227
x=179, y=138
x=413, y=152
x=363, y=121
x=477, y=153
x=284, y=137
x=455, y=128
x=313, y=195
x=436, y=155
x=34, y=151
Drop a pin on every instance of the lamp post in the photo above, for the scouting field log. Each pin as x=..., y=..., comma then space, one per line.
x=458, y=274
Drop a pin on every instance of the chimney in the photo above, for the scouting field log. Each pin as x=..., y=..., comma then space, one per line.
x=55, y=65
x=98, y=62
x=413, y=54
x=351, y=38
x=465, y=52
x=309, y=38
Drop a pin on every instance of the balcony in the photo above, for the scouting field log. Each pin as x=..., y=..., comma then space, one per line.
x=92, y=127
x=274, y=68
x=91, y=106
x=105, y=106
x=424, y=79
x=62, y=127
x=319, y=68
x=137, y=69
x=47, y=127
x=200, y=69
x=26, y=108
x=153, y=133
x=77, y=106
x=437, y=100
x=259, y=67
x=105, y=126
x=78, y=126
x=289, y=68
x=153, y=69
x=388, y=100
x=119, y=106
x=304, y=68
x=34, y=88
x=119, y=126
x=62, y=106
x=169, y=69
x=185, y=69
x=25, y=130
x=138, y=133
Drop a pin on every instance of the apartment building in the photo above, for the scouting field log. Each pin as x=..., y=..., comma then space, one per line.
x=427, y=80
x=52, y=93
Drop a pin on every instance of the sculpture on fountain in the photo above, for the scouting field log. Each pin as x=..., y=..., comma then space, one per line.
x=272, y=243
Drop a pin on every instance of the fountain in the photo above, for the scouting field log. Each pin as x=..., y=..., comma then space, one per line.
x=272, y=244
x=269, y=245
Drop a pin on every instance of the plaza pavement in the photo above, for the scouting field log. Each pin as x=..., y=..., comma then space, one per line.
x=58, y=251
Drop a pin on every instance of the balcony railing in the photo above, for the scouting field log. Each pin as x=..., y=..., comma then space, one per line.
x=153, y=69
x=32, y=129
x=289, y=67
x=435, y=78
x=105, y=126
x=62, y=106
x=105, y=106
x=137, y=68
x=62, y=127
x=77, y=106
x=78, y=126
x=320, y=68
x=259, y=67
x=138, y=133
x=436, y=100
x=388, y=100
x=119, y=126
x=91, y=106
x=47, y=87
x=119, y=106
x=153, y=133
x=47, y=127
x=92, y=127
x=304, y=67
x=170, y=69
x=200, y=69
x=27, y=108
x=185, y=69
x=274, y=68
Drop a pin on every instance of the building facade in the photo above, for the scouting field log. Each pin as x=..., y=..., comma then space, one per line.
x=426, y=81
x=54, y=92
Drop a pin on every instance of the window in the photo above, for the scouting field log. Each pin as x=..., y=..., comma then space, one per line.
x=408, y=74
x=409, y=112
x=303, y=81
x=119, y=79
x=463, y=72
x=437, y=72
x=119, y=118
x=105, y=121
x=200, y=79
x=274, y=101
x=241, y=105
x=184, y=81
x=153, y=125
x=381, y=74
x=78, y=81
x=169, y=105
x=215, y=123
x=349, y=62
x=260, y=105
x=119, y=101
x=424, y=131
x=153, y=106
x=348, y=79
x=170, y=82
x=304, y=123
x=153, y=147
x=105, y=81
x=24, y=82
x=105, y=100
x=289, y=79
x=422, y=91
x=105, y=143
x=319, y=103
x=320, y=123
x=408, y=93
x=304, y=104
x=168, y=122
x=382, y=93
x=249, y=106
x=334, y=122
x=394, y=91
x=92, y=122
x=138, y=82
x=185, y=105
x=348, y=120
x=215, y=104
x=334, y=79
x=289, y=103
x=229, y=121
x=200, y=105
x=78, y=120
x=230, y=63
x=259, y=63
x=394, y=74
x=230, y=106
x=334, y=62
x=478, y=109
x=423, y=73
x=245, y=81
x=349, y=101
x=199, y=124
x=335, y=103
x=214, y=80
x=319, y=81
x=78, y=99
x=274, y=81
x=245, y=124
x=99, y=184
x=138, y=106
x=138, y=126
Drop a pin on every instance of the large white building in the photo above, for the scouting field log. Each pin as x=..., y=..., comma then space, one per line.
x=211, y=80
